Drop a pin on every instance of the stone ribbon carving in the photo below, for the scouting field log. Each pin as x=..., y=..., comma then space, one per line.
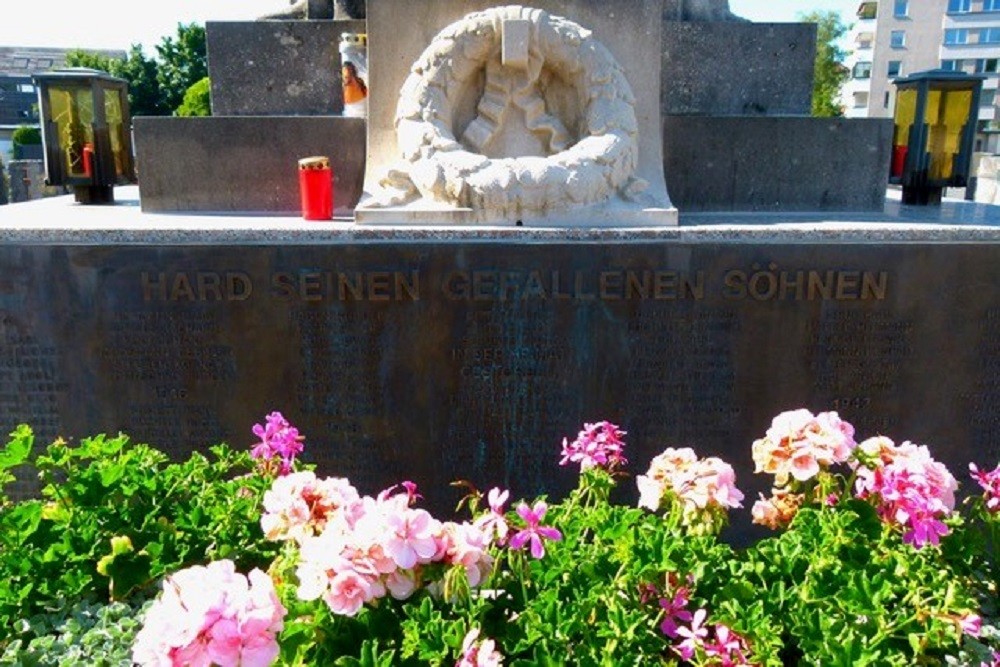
x=554, y=126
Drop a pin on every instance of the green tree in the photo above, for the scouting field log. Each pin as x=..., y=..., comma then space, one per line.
x=183, y=62
x=156, y=86
x=197, y=100
x=829, y=71
x=144, y=96
x=92, y=60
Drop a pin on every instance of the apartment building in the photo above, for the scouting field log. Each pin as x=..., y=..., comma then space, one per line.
x=894, y=38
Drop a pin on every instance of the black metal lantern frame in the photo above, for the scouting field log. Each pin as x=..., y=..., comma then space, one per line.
x=934, y=130
x=86, y=132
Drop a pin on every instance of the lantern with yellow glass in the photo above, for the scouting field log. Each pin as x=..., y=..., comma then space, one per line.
x=86, y=132
x=934, y=129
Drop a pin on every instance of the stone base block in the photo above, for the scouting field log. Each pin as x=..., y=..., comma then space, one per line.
x=401, y=357
x=729, y=68
x=276, y=67
x=244, y=164
x=776, y=164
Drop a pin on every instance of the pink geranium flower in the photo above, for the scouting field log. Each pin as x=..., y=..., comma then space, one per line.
x=598, y=445
x=990, y=483
x=908, y=488
x=533, y=532
x=347, y=593
x=798, y=445
x=279, y=444
x=494, y=523
x=693, y=636
x=212, y=615
x=411, y=537
x=478, y=654
x=704, y=489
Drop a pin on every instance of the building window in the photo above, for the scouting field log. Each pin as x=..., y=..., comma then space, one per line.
x=986, y=66
x=989, y=36
x=895, y=67
x=860, y=100
x=991, y=5
x=897, y=39
x=862, y=70
x=901, y=8
x=951, y=65
x=957, y=6
x=987, y=97
x=885, y=102
x=956, y=36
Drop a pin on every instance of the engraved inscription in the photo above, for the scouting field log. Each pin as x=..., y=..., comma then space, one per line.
x=857, y=357
x=981, y=402
x=508, y=395
x=681, y=375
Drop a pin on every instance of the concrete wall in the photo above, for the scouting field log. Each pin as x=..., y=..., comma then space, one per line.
x=716, y=163
x=712, y=163
x=732, y=68
x=243, y=164
x=276, y=68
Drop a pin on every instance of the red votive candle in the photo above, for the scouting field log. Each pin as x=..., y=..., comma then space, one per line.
x=316, y=188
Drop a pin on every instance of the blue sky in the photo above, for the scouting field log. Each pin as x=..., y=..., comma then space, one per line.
x=116, y=24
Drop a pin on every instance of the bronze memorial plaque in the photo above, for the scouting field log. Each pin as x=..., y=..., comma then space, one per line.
x=440, y=361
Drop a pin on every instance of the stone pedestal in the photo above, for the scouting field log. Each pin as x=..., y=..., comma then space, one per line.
x=436, y=355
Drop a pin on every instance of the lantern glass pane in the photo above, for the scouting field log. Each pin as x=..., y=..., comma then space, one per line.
x=904, y=117
x=947, y=114
x=116, y=128
x=73, y=114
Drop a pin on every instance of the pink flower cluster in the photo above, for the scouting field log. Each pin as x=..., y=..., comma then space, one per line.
x=714, y=643
x=703, y=488
x=299, y=505
x=356, y=549
x=279, y=444
x=908, y=488
x=990, y=483
x=479, y=653
x=799, y=444
x=598, y=445
x=212, y=615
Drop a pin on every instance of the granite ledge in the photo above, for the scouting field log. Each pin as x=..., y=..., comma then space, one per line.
x=60, y=221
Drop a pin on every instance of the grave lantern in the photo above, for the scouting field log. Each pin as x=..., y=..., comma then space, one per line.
x=86, y=132
x=934, y=129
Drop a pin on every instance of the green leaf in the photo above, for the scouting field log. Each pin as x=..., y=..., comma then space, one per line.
x=18, y=448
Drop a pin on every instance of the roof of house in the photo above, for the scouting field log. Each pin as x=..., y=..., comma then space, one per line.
x=25, y=61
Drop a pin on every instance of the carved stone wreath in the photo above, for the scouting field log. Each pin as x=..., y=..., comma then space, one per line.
x=436, y=166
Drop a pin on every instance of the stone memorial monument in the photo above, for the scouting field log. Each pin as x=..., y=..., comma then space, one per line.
x=427, y=336
x=515, y=115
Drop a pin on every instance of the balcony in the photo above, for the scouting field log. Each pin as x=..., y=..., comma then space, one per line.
x=867, y=11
